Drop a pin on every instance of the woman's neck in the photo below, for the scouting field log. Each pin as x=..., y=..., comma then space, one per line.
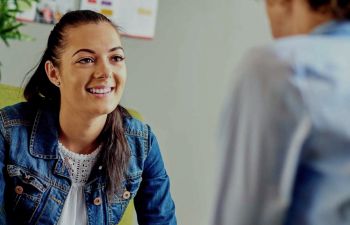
x=79, y=132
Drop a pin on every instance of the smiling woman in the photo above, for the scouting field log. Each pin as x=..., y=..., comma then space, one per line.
x=98, y=65
x=72, y=154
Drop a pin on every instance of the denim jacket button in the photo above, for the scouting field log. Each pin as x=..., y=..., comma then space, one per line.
x=19, y=190
x=97, y=201
x=126, y=195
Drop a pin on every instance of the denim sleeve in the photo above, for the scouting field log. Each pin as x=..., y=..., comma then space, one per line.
x=153, y=202
x=3, y=218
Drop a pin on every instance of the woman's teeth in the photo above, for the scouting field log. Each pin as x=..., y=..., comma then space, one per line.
x=99, y=90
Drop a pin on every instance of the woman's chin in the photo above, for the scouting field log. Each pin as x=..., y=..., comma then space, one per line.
x=104, y=110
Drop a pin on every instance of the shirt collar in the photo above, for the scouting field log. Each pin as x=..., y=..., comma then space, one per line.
x=333, y=27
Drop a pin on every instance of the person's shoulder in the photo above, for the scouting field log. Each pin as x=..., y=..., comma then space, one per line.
x=289, y=54
x=263, y=62
x=267, y=55
x=21, y=113
x=311, y=49
x=135, y=127
x=139, y=136
x=279, y=51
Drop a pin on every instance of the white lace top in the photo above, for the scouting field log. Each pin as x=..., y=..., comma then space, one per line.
x=80, y=165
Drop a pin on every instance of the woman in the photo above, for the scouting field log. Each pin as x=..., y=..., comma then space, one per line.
x=287, y=132
x=71, y=154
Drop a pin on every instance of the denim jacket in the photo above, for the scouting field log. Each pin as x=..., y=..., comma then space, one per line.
x=34, y=181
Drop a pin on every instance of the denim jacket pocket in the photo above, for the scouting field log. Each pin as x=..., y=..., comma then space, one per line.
x=26, y=190
x=128, y=190
x=120, y=200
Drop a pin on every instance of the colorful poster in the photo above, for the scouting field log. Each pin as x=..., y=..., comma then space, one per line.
x=137, y=18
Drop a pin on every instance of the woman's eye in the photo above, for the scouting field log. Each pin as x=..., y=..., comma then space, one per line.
x=85, y=60
x=118, y=58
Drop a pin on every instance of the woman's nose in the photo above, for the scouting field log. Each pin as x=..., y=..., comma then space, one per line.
x=105, y=75
x=104, y=71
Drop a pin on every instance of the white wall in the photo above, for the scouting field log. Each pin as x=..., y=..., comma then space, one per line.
x=178, y=82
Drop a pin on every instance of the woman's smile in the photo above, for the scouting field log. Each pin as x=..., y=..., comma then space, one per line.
x=100, y=91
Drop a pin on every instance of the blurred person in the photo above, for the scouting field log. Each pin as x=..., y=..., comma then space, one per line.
x=286, y=127
x=71, y=154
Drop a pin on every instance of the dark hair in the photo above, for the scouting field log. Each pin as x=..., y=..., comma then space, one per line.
x=340, y=9
x=115, y=152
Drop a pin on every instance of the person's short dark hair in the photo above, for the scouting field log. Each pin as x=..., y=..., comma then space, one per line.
x=340, y=9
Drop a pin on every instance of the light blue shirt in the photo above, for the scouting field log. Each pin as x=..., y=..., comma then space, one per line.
x=286, y=134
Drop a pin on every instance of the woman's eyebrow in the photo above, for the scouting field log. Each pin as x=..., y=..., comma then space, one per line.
x=93, y=52
x=116, y=48
x=84, y=50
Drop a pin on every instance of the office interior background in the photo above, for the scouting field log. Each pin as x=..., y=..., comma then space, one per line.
x=178, y=82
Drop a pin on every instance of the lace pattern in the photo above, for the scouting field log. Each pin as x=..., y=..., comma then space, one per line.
x=79, y=165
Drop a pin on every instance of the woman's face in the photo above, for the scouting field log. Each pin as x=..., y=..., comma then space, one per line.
x=92, y=71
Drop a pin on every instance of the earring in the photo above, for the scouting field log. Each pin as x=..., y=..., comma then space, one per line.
x=58, y=84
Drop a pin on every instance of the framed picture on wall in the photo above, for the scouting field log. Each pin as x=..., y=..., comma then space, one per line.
x=28, y=12
x=136, y=18
x=50, y=11
x=45, y=11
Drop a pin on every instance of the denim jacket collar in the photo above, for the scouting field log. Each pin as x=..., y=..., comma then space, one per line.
x=44, y=140
x=44, y=137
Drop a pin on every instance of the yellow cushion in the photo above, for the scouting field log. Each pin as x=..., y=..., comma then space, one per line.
x=10, y=95
x=128, y=216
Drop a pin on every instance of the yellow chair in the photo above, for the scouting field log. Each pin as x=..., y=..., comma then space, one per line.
x=10, y=95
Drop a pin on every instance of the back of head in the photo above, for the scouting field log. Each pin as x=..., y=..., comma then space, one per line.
x=340, y=9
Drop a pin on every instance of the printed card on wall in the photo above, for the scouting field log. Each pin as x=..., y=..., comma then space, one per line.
x=106, y=7
x=28, y=13
x=50, y=11
x=137, y=18
x=45, y=11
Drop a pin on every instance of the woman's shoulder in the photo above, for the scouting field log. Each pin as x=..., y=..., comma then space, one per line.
x=20, y=113
x=135, y=127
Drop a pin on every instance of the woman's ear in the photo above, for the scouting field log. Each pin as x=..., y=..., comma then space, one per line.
x=52, y=73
